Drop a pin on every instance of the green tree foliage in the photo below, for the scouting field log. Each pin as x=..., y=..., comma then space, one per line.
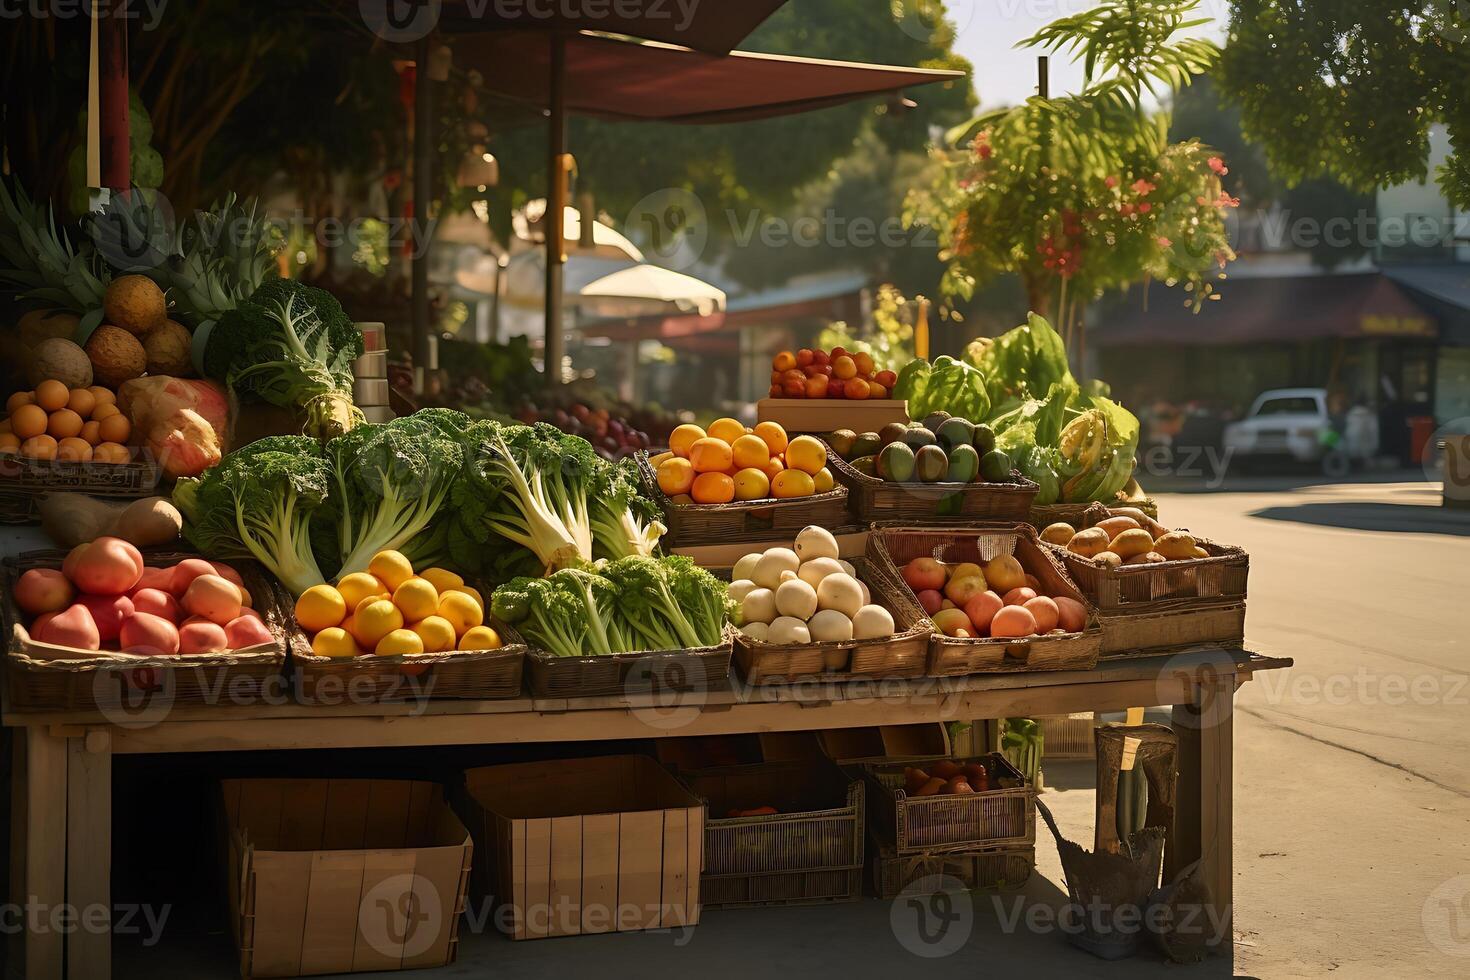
x=1350, y=88
x=1206, y=112
x=1086, y=193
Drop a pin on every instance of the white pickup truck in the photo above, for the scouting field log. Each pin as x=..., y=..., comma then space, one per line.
x=1293, y=423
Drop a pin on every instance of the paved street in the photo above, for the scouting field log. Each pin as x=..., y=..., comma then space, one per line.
x=1352, y=769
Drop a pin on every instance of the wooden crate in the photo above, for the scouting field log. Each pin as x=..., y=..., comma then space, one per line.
x=904, y=654
x=343, y=875
x=697, y=669
x=1000, y=817
x=24, y=480
x=894, y=546
x=810, y=851
x=999, y=869
x=872, y=499
x=580, y=846
x=828, y=414
x=45, y=677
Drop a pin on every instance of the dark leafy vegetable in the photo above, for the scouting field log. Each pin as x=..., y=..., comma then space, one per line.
x=290, y=345
x=258, y=503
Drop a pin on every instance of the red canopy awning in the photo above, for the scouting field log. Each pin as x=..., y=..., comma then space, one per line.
x=705, y=25
x=654, y=82
x=1270, y=310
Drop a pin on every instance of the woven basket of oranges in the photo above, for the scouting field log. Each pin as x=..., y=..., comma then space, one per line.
x=731, y=482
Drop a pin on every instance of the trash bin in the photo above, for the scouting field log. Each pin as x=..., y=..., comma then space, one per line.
x=1421, y=430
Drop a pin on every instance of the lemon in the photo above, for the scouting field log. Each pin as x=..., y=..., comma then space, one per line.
x=442, y=579
x=416, y=598
x=357, y=586
x=822, y=481
x=436, y=632
x=391, y=567
x=376, y=620
x=334, y=641
x=461, y=610
x=473, y=593
x=398, y=643
x=480, y=638
x=319, y=607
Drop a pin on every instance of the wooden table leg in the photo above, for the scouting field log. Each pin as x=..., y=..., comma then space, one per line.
x=42, y=820
x=1203, y=822
x=89, y=855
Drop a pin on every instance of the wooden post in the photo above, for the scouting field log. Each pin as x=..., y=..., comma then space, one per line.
x=112, y=72
x=556, y=194
x=424, y=349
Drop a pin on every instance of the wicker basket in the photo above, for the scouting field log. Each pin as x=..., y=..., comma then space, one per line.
x=810, y=852
x=1175, y=624
x=1081, y=515
x=1142, y=588
x=699, y=669
x=1002, y=817
x=872, y=499
x=894, y=546
x=904, y=654
x=477, y=675
x=756, y=520
x=23, y=480
x=999, y=869
x=46, y=677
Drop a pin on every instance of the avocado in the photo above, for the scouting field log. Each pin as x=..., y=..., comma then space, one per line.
x=964, y=464
x=892, y=432
x=995, y=467
x=866, y=465
x=934, y=420
x=954, y=432
x=866, y=444
x=896, y=463
x=918, y=438
x=841, y=442
x=930, y=464
x=984, y=439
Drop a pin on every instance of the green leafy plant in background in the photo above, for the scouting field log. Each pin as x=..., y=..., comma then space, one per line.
x=1085, y=193
x=1352, y=90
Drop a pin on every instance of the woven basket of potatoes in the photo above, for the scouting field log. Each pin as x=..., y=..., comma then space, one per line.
x=1121, y=558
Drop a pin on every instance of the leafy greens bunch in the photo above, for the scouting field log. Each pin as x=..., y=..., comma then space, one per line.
x=631, y=604
x=549, y=493
x=290, y=345
x=259, y=503
x=391, y=484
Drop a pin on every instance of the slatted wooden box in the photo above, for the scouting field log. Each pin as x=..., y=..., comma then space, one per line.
x=343, y=875
x=580, y=846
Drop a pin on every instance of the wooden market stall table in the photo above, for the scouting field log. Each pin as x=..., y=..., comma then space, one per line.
x=64, y=759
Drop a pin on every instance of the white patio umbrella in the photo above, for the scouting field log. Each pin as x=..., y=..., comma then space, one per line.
x=648, y=290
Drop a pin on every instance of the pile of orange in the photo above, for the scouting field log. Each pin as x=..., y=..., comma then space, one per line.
x=730, y=462
x=55, y=422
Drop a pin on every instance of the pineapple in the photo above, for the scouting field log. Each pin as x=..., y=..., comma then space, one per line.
x=39, y=262
x=225, y=254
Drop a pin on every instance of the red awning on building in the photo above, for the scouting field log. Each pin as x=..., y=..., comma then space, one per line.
x=1269, y=310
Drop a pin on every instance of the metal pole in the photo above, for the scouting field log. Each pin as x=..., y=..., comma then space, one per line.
x=555, y=211
x=424, y=351
x=112, y=72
